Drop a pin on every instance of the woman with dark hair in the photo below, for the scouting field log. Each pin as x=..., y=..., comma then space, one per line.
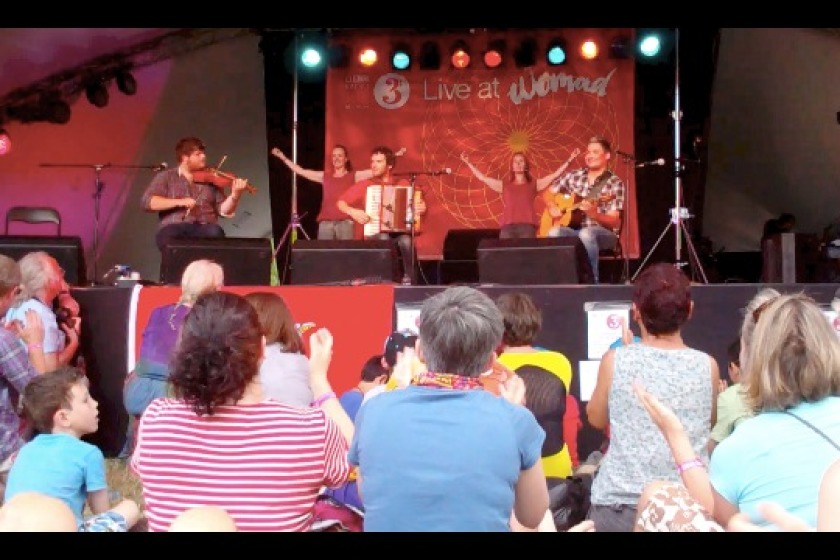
x=332, y=223
x=219, y=440
x=518, y=192
x=685, y=378
x=284, y=372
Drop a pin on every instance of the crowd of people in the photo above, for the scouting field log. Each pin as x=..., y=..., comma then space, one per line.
x=462, y=424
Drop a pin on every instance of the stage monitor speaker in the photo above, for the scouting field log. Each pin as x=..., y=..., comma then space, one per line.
x=550, y=260
x=460, y=254
x=67, y=250
x=246, y=261
x=343, y=261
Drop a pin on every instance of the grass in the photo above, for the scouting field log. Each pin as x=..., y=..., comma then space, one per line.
x=122, y=482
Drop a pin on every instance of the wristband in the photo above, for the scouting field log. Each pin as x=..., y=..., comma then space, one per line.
x=35, y=346
x=690, y=464
x=323, y=398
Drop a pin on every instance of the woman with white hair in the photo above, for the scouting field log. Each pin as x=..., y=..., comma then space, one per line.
x=149, y=380
x=42, y=279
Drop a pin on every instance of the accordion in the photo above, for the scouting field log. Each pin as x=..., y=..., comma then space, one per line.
x=389, y=209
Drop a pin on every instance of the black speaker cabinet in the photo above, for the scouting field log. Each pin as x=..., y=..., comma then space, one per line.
x=246, y=261
x=460, y=254
x=343, y=261
x=67, y=250
x=553, y=260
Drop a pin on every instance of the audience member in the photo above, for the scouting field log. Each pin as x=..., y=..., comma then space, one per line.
x=731, y=408
x=523, y=321
x=284, y=371
x=228, y=445
x=440, y=455
x=16, y=367
x=792, y=384
x=203, y=519
x=149, y=379
x=33, y=512
x=42, y=278
x=375, y=373
x=56, y=462
x=683, y=376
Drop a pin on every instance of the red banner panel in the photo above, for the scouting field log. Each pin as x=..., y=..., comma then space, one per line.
x=545, y=111
x=360, y=318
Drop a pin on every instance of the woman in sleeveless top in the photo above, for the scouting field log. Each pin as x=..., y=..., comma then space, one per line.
x=685, y=378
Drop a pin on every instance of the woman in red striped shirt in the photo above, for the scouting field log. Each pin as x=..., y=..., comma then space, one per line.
x=220, y=442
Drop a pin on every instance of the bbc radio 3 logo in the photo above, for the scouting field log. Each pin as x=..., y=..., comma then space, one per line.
x=391, y=91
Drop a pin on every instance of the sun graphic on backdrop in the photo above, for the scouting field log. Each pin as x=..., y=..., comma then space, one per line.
x=547, y=130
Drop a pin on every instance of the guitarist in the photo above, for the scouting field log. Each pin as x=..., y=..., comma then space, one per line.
x=599, y=196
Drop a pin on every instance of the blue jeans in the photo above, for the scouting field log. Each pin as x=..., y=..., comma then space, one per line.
x=594, y=238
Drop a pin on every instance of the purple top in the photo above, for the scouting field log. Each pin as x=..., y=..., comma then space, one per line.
x=161, y=332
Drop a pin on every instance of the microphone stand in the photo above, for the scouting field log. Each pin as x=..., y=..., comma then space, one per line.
x=409, y=219
x=294, y=219
x=98, y=188
x=678, y=212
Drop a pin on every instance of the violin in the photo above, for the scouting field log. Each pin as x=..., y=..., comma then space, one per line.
x=223, y=180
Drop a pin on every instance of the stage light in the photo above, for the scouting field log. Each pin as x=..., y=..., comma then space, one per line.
x=494, y=55
x=620, y=47
x=556, y=52
x=650, y=45
x=589, y=49
x=460, y=55
x=310, y=57
x=401, y=57
x=48, y=107
x=526, y=54
x=96, y=92
x=430, y=56
x=368, y=57
x=126, y=82
x=5, y=142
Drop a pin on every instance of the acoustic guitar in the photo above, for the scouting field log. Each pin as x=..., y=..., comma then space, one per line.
x=567, y=204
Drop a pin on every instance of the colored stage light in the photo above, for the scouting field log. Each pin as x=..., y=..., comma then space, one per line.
x=401, y=57
x=368, y=57
x=460, y=55
x=494, y=55
x=556, y=52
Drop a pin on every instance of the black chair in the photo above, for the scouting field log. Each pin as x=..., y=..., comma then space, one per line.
x=33, y=215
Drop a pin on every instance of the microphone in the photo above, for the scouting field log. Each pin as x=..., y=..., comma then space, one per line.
x=160, y=167
x=660, y=161
x=625, y=154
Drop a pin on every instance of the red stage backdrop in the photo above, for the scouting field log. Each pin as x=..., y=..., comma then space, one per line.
x=360, y=318
x=545, y=111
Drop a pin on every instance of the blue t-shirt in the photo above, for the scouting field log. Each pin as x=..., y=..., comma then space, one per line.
x=775, y=457
x=351, y=400
x=58, y=465
x=442, y=460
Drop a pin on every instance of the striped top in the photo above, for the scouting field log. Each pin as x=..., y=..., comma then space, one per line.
x=264, y=463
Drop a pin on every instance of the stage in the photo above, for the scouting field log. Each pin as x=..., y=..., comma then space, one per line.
x=360, y=318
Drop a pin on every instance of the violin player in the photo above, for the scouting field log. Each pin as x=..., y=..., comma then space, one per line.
x=188, y=206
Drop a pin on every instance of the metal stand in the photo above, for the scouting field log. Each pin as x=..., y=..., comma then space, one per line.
x=678, y=213
x=624, y=233
x=409, y=222
x=98, y=189
x=294, y=219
